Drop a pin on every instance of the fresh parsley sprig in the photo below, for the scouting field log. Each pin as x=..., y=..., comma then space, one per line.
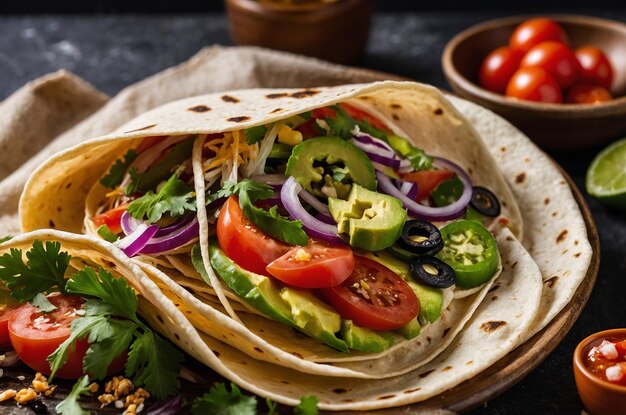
x=44, y=270
x=116, y=174
x=111, y=326
x=269, y=221
x=220, y=401
x=174, y=198
x=70, y=405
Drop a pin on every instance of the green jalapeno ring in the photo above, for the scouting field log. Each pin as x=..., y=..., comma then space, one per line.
x=471, y=251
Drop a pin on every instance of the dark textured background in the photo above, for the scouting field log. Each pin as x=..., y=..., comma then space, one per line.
x=112, y=51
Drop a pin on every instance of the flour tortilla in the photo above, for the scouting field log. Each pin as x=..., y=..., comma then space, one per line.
x=56, y=193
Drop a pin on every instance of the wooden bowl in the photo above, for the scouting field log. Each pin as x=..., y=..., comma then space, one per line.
x=336, y=31
x=551, y=126
x=599, y=396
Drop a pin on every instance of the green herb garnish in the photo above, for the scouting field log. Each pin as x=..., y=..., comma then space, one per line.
x=70, y=405
x=255, y=134
x=174, y=198
x=116, y=174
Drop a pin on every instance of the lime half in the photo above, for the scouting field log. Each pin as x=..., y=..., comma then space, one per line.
x=606, y=177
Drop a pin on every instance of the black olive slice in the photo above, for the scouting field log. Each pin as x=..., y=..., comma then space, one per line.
x=485, y=202
x=433, y=272
x=421, y=237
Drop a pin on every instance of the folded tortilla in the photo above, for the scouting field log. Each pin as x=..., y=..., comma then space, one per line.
x=60, y=190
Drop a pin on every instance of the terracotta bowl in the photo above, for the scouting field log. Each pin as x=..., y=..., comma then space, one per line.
x=336, y=31
x=599, y=397
x=551, y=126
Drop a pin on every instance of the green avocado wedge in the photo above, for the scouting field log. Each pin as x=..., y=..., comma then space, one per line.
x=365, y=340
x=298, y=309
x=372, y=220
x=315, y=163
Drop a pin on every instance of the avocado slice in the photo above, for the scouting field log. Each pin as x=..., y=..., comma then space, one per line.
x=314, y=164
x=411, y=330
x=298, y=309
x=372, y=220
x=365, y=340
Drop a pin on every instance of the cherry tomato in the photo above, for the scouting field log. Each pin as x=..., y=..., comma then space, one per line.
x=243, y=242
x=373, y=297
x=621, y=348
x=427, y=181
x=556, y=58
x=112, y=219
x=317, y=265
x=587, y=94
x=534, y=31
x=534, y=84
x=595, y=67
x=498, y=68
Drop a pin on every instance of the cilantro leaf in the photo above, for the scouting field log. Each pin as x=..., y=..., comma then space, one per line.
x=219, y=401
x=42, y=303
x=45, y=269
x=109, y=340
x=80, y=329
x=306, y=115
x=134, y=181
x=255, y=134
x=116, y=174
x=163, y=169
x=70, y=405
x=175, y=197
x=269, y=221
x=5, y=238
x=106, y=234
x=342, y=124
x=271, y=406
x=307, y=406
x=155, y=363
x=114, y=292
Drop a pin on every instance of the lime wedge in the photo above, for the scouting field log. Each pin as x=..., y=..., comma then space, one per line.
x=606, y=177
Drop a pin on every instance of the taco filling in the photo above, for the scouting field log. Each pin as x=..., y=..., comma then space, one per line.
x=330, y=221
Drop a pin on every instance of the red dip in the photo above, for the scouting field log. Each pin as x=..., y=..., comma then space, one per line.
x=606, y=359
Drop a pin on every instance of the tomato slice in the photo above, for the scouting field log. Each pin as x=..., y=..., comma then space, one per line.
x=309, y=130
x=35, y=335
x=427, y=181
x=317, y=265
x=112, y=219
x=361, y=115
x=373, y=297
x=243, y=242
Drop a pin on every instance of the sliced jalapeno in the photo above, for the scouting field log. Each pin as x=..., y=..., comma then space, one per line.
x=471, y=251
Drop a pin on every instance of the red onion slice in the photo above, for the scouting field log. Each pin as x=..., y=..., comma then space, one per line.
x=172, y=406
x=409, y=189
x=164, y=239
x=315, y=227
x=314, y=202
x=394, y=163
x=374, y=149
x=452, y=211
x=136, y=241
x=368, y=139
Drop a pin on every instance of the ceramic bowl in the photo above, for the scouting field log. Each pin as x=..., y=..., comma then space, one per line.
x=599, y=396
x=552, y=126
x=335, y=31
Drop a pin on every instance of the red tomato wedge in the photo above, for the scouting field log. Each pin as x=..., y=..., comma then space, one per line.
x=427, y=181
x=373, y=297
x=317, y=265
x=243, y=242
x=621, y=348
x=35, y=335
x=111, y=219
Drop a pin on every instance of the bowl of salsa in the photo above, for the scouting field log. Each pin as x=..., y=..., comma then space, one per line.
x=600, y=372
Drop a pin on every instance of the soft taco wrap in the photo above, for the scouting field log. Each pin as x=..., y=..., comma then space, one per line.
x=352, y=149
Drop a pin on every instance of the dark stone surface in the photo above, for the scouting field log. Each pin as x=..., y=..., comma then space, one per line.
x=114, y=51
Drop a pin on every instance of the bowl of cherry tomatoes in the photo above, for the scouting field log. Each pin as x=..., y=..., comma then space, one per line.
x=559, y=78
